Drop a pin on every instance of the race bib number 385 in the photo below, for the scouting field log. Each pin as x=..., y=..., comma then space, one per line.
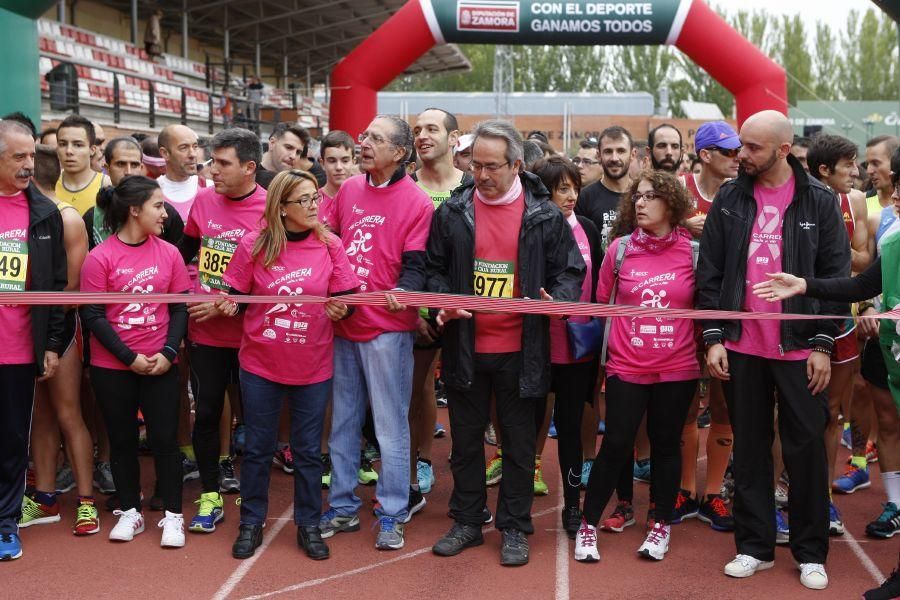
x=13, y=265
x=494, y=279
x=214, y=257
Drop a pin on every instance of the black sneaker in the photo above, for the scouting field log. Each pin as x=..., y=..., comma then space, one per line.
x=228, y=483
x=714, y=512
x=310, y=540
x=459, y=538
x=888, y=590
x=514, y=551
x=685, y=507
x=248, y=540
x=571, y=520
x=416, y=503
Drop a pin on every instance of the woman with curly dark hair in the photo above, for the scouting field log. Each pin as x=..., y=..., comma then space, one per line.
x=652, y=362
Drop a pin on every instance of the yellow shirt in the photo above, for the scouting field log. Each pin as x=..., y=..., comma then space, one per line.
x=82, y=199
x=873, y=206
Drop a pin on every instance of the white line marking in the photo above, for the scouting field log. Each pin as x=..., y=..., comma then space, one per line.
x=870, y=566
x=562, y=560
x=357, y=571
x=246, y=565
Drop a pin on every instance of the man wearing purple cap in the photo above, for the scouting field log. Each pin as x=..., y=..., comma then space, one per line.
x=717, y=146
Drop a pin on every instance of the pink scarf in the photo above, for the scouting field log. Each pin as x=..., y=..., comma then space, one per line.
x=508, y=198
x=642, y=239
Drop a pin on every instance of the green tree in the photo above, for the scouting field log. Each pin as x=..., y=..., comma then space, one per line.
x=644, y=68
x=791, y=52
x=826, y=62
x=869, y=69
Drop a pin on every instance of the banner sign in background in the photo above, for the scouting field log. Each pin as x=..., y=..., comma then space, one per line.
x=552, y=22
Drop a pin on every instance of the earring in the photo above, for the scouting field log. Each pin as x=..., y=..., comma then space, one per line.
x=284, y=214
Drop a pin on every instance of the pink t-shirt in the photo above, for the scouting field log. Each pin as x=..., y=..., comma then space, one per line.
x=220, y=223
x=325, y=206
x=377, y=225
x=15, y=319
x=153, y=267
x=763, y=338
x=290, y=343
x=649, y=349
x=560, y=352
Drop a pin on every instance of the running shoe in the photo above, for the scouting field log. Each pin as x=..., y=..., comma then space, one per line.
x=65, y=479
x=714, y=512
x=390, y=534
x=871, y=452
x=35, y=513
x=781, y=494
x=439, y=430
x=331, y=523
x=189, y=469
x=211, y=510
x=657, y=543
x=704, y=419
x=371, y=453
x=494, y=471
x=284, y=459
x=621, y=517
x=87, y=519
x=172, y=525
x=685, y=507
x=425, y=476
x=571, y=520
x=10, y=546
x=586, y=543
x=812, y=575
x=853, y=479
x=782, y=528
x=416, y=503
x=586, y=472
x=130, y=523
x=641, y=471
x=887, y=524
x=889, y=590
x=367, y=474
x=540, y=487
x=551, y=433
x=228, y=483
x=459, y=538
x=835, y=525
x=744, y=565
x=103, y=479
x=490, y=436
x=239, y=439
x=326, y=471
x=846, y=437
x=514, y=549
x=727, y=489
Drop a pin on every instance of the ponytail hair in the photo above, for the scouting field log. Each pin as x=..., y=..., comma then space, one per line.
x=116, y=202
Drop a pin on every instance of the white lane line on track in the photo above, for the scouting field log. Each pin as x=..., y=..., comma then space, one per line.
x=562, y=560
x=867, y=563
x=269, y=534
x=357, y=571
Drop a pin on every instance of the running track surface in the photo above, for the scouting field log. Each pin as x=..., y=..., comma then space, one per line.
x=56, y=564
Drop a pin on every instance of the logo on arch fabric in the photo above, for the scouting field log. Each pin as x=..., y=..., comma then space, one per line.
x=473, y=15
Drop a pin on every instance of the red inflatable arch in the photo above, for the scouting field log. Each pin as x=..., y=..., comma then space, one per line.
x=756, y=81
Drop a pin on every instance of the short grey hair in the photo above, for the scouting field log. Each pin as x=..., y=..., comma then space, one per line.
x=506, y=131
x=401, y=136
x=8, y=127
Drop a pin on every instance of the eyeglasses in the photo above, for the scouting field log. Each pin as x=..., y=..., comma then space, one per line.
x=376, y=139
x=474, y=167
x=584, y=161
x=646, y=197
x=727, y=152
x=305, y=201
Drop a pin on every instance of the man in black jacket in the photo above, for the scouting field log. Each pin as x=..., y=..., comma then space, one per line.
x=32, y=257
x=772, y=218
x=497, y=236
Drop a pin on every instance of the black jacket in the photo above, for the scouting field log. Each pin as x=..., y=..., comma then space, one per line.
x=47, y=272
x=548, y=258
x=814, y=244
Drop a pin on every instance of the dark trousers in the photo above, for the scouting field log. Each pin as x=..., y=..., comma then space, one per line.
x=497, y=375
x=16, y=403
x=262, y=407
x=802, y=417
x=666, y=405
x=573, y=385
x=120, y=394
x=212, y=369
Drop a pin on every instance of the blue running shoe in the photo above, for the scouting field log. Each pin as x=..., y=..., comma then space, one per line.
x=425, y=476
x=835, y=525
x=853, y=479
x=846, y=439
x=641, y=471
x=211, y=511
x=586, y=472
x=551, y=433
x=887, y=524
x=10, y=546
x=782, y=529
x=439, y=430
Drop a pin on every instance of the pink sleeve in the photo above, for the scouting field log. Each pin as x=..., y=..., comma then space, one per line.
x=328, y=213
x=239, y=272
x=606, y=277
x=418, y=232
x=190, y=227
x=343, y=278
x=93, y=275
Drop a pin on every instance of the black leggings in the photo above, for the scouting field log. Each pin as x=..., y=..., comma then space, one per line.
x=120, y=394
x=667, y=405
x=573, y=385
x=212, y=369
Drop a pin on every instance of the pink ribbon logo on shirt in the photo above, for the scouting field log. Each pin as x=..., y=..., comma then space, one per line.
x=768, y=221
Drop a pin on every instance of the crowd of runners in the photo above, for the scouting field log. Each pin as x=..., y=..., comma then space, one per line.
x=342, y=394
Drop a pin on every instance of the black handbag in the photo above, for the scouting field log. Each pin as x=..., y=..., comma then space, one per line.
x=585, y=339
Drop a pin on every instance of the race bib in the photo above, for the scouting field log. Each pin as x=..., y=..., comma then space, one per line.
x=494, y=279
x=13, y=265
x=215, y=254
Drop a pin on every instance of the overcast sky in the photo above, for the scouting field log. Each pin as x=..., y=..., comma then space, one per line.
x=833, y=12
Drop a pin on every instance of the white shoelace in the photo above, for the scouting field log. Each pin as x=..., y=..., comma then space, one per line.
x=172, y=521
x=746, y=561
x=131, y=518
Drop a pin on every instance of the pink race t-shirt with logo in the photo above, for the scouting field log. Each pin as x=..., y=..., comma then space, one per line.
x=15, y=319
x=560, y=351
x=220, y=223
x=764, y=254
x=290, y=343
x=325, y=204
x=153, y=267
x=377, y=225
x=656, y=273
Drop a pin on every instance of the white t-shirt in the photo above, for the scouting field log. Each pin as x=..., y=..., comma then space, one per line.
x=181, y=194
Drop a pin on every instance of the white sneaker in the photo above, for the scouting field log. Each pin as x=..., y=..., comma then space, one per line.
x=657, y=543
x=173, y=530
x=813, y=576
x=131, y=523
x=586, y=543
x=745, y=565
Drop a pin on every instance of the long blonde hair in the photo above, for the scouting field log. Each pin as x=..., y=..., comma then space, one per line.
x=273, y=236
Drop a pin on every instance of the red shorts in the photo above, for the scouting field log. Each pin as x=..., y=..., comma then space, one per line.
x=846, y=348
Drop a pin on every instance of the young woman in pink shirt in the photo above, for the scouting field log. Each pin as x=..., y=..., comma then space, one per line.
x=652, y=362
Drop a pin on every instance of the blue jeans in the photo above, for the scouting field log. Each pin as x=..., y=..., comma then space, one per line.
x=262, y=406
x=379, y=371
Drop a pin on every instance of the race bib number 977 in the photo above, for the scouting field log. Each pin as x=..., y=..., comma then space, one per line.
x=494, y=279
x=13, y=265
x=215, y=254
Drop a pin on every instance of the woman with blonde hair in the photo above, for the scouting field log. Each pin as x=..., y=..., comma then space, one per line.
x=286, y=350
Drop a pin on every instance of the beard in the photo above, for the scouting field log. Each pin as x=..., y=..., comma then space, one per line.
x=666, y=164
x=754, y=170
x=607, y=173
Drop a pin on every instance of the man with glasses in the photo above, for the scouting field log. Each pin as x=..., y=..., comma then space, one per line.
x=382, y=217
x=666, y=148
x=587, y=163
x=498, y=236
x=599, y=201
